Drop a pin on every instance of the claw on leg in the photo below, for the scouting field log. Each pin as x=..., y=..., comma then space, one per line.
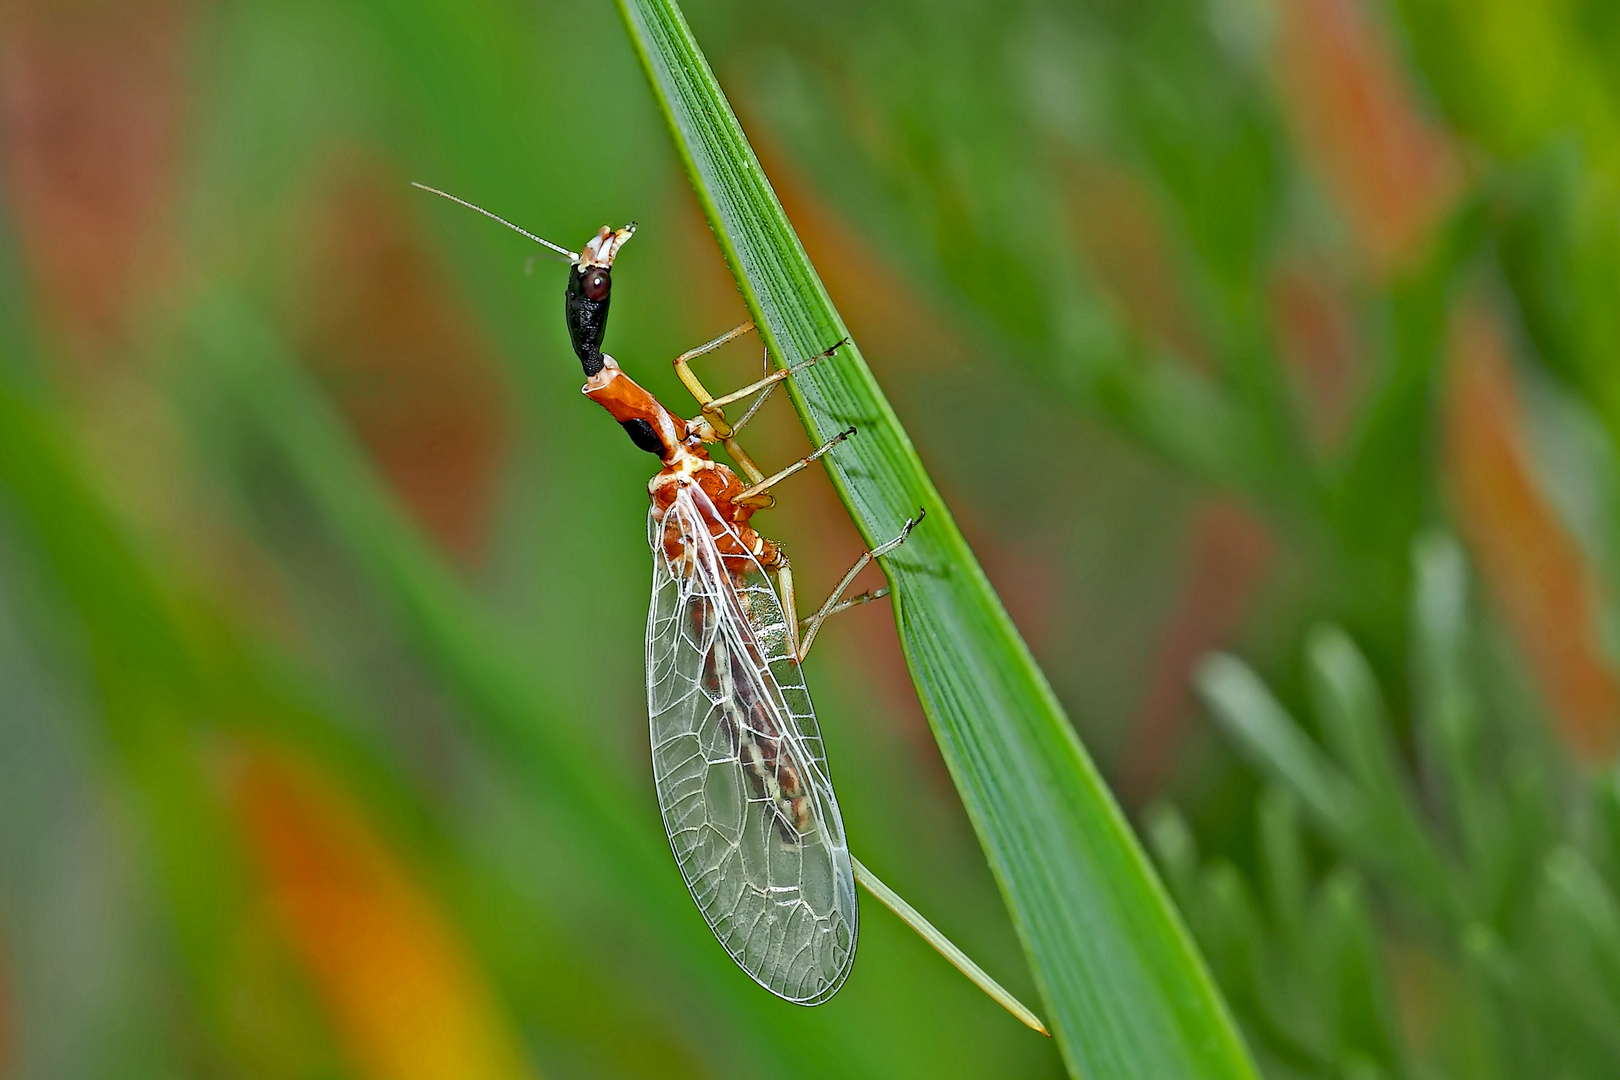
x=749, y=495
x=835, y=603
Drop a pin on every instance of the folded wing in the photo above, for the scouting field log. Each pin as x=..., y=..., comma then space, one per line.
x=737, y=755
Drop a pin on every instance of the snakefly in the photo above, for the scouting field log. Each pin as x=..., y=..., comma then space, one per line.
x=737, y=756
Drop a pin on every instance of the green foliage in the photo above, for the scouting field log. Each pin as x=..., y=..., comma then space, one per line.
x=1479, y=886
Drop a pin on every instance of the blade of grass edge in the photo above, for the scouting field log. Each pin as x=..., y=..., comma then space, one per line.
x=1127, y=993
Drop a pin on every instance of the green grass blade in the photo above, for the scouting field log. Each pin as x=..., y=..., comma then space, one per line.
x=1351, y=710
x=1125, y=989
x=1269, y=735
x=1448, y=718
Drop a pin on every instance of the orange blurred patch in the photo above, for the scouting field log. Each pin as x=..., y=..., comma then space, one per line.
x=6, y=1034
x=405, y=999
x=1030, y=572
x=1230, y=553
x=1120, y=233
x=1391, y=173
x=1531, y=565
x=404, y=363
x=894, y=324
x=1316, y=342
x=899, y=330
x=91, y=100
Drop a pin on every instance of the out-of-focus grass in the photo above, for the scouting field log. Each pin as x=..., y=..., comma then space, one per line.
x=1507, y=962
x=312, y=475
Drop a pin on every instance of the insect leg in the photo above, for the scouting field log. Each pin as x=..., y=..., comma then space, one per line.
x=712, y=424
x=683, y=368
x=712, y=413
x=752, y=495
x=768, y=383
x=711, y=406
x=854, y=601
x=796, y=625
x=774, y=377
x=784, y=593
x=835, y=603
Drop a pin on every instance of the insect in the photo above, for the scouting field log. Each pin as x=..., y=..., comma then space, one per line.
x=738, y=760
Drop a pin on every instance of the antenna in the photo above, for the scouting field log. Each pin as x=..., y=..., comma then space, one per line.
x=560, y=250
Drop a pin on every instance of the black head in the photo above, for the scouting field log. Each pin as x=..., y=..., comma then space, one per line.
x=586, y=309
x=590, y=288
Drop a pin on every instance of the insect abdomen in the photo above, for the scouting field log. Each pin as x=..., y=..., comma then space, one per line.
x=772, y=775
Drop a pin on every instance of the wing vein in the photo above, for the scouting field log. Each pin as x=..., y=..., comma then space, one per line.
x=738, y=760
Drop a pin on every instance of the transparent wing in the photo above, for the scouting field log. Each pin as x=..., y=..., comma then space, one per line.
x=741, y=773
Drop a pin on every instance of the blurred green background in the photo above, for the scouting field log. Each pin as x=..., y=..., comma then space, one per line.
x=322, y=728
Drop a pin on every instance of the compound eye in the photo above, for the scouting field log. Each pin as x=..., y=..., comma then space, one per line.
x=596, y=284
